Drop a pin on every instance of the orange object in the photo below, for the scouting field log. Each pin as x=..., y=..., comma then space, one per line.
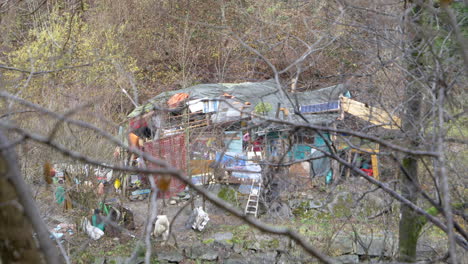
x=285, y=111
x=49, y=172
x=228, y=95
x=445, y=3
x=176, y=99
x=163, y=183
x=133, y=140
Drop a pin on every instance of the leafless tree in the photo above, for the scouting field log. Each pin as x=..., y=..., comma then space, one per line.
x=415, y=67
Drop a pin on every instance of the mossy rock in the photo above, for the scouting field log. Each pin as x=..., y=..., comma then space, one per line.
x=341, y=205
x=270, y=244
x=208, y=241
x=229, y=195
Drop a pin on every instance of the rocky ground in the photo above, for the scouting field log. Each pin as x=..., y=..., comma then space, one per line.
x=337, y=220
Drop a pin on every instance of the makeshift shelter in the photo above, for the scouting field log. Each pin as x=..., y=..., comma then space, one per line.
x=208, y=123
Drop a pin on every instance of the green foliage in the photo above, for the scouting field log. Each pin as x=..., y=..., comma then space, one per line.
x=229, y=195
x=302, y=211
x=263, y=108
x=87, y=55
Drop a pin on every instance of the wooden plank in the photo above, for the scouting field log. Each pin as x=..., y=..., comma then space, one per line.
x=371, y=114
x=200, y=167
x=375, y=167
x=349, y=155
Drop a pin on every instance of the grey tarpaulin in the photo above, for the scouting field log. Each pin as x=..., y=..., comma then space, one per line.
x=255, y=92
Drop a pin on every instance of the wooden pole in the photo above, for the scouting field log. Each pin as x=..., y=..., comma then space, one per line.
x=187, y=153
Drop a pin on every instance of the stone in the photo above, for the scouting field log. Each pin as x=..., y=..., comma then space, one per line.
x=202, y=252
x=428, y=249
x=139, y=260
x=223, y=236
x=116, y=260
x=223, y=244
x=172, y=202
x=170, y=256
x=235, y=261
x=342, y=245
x=265, y=258
x=279, y=210
x=341, y=205
x=238, y=248
x=315, y=204
x=209, y=255
x=283, y=259
x=375, y=246
x=99, y=260
x=254, y=246
x=294, y=203
x=195, y=251
x=269, y=256
x=347, y=259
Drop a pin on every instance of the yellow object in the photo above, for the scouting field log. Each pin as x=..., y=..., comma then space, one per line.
x=375, y=166
x=200, y=167
x=117, y=184
x=374, y=150
x=371, y=114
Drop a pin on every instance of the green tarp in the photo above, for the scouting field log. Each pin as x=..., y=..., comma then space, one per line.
x=321, y=167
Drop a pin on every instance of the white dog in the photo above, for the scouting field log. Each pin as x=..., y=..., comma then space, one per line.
x=161, y=227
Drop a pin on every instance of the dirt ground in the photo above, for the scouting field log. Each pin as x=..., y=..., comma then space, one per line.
x=54, y=214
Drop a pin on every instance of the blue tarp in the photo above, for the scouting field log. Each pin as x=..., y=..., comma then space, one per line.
x=230, y=159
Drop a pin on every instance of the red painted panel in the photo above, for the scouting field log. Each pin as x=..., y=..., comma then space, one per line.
x=137, y=122
x=172, y=150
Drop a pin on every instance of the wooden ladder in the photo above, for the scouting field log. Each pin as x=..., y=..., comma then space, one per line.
x=252, y=203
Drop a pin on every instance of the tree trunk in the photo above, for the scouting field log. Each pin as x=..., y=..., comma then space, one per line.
x=16, y=235
x=410, y=226
x=19, y=217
